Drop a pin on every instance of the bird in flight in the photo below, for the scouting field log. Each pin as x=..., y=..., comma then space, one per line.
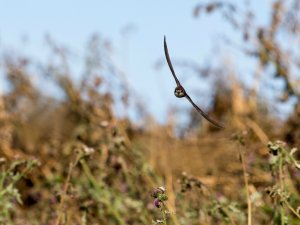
x=180, y=91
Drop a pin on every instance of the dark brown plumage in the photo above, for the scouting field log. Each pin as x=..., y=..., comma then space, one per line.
x=180, y=91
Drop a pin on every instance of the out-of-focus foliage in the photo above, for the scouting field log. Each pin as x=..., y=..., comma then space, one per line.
x=96, y=168
x=270, y=48
x=89, y=171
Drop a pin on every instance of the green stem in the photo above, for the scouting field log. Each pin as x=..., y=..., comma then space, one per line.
x=164, y=214
x=249, y=208
x=111, y=210
x=281, y=186
x=291, y=208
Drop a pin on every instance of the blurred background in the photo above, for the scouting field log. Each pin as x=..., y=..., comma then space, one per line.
x=85, y=91
x=133, y=34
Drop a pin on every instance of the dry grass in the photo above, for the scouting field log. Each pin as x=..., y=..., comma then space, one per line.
x=72, y=161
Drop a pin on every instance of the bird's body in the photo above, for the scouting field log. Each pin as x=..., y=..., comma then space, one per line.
x=180, y=91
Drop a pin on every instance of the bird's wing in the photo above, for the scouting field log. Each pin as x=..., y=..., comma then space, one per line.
x=169, y=62
x=204, y=114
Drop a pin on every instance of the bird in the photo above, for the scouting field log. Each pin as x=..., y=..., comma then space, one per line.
x=180, y=92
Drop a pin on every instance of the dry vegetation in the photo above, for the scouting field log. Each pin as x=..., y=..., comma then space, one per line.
x=71, y=160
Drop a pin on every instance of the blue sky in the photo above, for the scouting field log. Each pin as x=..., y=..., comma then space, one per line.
x=72, y=22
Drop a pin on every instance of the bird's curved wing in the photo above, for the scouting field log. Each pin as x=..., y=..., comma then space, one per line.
x=203, y=113
x=169, y=62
